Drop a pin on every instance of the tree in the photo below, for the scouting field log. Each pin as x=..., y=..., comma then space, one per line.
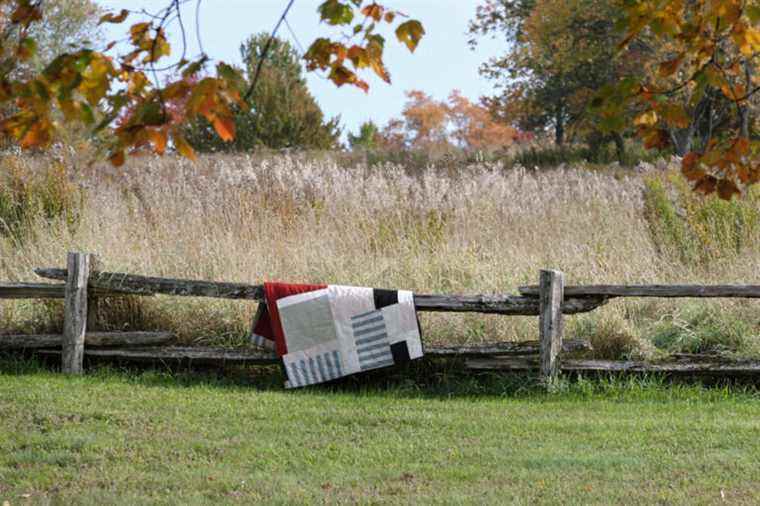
x=279, y=113
x=433, y=125
x=368, y=137
x=122, y=94
x=474, y=128
x=64, y=22
x=709, y=61
x=560, y=52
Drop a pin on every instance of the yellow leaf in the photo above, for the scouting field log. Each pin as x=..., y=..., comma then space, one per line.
x=183, y=148
x=648, y=118
x=410, y=33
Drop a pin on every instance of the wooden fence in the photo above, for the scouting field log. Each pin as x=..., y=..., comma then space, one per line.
x=84, y=285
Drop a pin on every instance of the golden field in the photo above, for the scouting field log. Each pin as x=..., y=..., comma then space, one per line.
x=478, y=228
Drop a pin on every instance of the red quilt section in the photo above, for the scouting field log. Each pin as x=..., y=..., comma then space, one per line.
x=269, y=325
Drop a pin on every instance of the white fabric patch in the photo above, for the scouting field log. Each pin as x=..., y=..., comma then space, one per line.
x=318, y=364
x=307, y=321
x=262, y=342
x=345, y=302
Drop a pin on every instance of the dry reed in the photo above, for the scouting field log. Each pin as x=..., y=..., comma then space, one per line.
x=480, y=229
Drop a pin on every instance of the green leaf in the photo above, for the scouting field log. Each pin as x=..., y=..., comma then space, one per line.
x=335, y=12
x=232, y=75
x=753, y=13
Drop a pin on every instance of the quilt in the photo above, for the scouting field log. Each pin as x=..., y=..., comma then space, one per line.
x=324, y=332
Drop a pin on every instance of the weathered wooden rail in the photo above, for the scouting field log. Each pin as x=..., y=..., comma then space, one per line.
x=101, y=339
x=120, y=283
x=681, y=291
x=84, y=284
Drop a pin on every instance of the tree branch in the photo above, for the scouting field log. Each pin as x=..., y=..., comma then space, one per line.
x=264, y=52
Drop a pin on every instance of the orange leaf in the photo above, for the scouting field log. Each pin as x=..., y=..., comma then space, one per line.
x=158, y=138
x=114, y=18
x=668, y=68
x=690, y=166
x=359, y=83
x=26, y=13
x=117, y=158
x=741, y=146
x=225, y=127
x=373, y=10
x=38, y=135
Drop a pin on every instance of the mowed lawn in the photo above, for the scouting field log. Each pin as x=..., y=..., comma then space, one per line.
x=148, y=437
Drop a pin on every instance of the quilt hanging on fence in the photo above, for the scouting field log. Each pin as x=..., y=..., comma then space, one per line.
x=324, y=332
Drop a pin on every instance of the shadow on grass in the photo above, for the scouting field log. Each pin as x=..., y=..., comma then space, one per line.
x=439, y=379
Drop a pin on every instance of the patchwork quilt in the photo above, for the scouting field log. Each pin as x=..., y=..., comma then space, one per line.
x=324, y=332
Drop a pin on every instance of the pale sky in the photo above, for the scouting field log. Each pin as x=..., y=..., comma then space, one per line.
x=441, y=63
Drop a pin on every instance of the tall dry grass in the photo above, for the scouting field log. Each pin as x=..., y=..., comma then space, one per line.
x=477, y=229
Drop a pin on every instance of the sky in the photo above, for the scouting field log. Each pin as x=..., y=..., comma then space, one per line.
x=442, y=62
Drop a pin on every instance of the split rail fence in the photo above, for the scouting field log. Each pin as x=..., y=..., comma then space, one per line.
x=84, y=285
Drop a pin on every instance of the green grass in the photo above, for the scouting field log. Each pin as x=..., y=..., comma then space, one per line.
x=149, y=437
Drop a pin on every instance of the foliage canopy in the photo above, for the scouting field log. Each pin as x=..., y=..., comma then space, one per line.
x=682, y=74
x=121, y=95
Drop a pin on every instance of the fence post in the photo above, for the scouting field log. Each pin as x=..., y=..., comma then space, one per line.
x=93, y=302
x=75, y=312
x=551, y=326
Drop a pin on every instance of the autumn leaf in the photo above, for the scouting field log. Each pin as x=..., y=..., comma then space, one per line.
x=26, y=13
x=183, y=147
x=158, y=138
x=646, y=119
x=727, y=189
x=669, y=67
x=690, y=166
x=37, y=135
x=225, y=127
x=27, y=47
x=111, y=94
x=706, y=185
x=410, y=33
x=114, y=18
x=373, y=11
x=117, y=158
x=335, y=12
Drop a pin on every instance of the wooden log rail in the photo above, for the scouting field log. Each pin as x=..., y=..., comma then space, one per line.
x=221, y=356
x=689, y=367
x=610, y=291
x=42, y=291
x=146, y=285
x=23, y=341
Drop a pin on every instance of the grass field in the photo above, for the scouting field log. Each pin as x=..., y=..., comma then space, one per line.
x=157, y=438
